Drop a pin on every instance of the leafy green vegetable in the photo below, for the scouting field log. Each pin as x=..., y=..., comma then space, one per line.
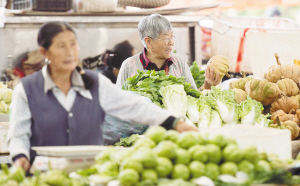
x=193, y=109
x=197, y=74
x=5, y=98
x=205, y=112
x=149, y=83
x=128, y=141
x=224, y=102
x=215, y=119
x=278, y=176
x=263, y=121
x=174, y=99
x=250, y=110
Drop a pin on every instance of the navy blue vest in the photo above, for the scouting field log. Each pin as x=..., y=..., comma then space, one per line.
x=52, y=125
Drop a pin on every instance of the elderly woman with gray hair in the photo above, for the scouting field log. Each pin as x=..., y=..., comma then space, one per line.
x=157, y=36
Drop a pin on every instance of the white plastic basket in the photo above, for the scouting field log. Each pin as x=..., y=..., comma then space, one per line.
x=96, y=5
x=250, y=43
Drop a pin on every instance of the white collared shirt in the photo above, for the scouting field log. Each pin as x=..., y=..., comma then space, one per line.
x=114, y=102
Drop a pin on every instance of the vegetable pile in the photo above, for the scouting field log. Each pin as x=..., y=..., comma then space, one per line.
x=148, y=84
x=5, y=98
x=278, y=93
x=217, y=108
x=168, y=158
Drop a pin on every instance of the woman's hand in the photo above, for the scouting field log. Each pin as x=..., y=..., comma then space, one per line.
x=210, y=79
x=182, y=126
x=22, y=162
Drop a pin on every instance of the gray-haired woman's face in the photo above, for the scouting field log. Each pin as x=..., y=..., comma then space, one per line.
x=162, y=47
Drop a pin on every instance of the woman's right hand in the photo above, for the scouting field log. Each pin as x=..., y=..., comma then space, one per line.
x=22, y=162
x=182, y=126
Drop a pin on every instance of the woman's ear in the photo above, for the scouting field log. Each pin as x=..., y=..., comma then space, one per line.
x=43, y=52
x=148, y=42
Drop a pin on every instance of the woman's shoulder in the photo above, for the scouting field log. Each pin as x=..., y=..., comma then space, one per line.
x=178, y=59
x=131, y=60
x=132, y=63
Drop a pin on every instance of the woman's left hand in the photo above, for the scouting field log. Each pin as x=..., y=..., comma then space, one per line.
x=182, y=126
x=210, y=79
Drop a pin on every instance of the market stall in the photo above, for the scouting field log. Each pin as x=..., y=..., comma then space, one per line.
x=248, y=133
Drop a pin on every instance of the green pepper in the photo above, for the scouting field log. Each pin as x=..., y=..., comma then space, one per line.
x=57, y=178
x=3, y=178
x=16, y=173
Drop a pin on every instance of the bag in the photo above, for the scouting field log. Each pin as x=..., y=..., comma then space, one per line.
x=143, y=3
x=115, y=128
x=34, y=62
x=92, y=62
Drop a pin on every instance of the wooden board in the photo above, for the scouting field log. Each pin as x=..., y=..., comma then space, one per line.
x=163, y=11
x=68, y=151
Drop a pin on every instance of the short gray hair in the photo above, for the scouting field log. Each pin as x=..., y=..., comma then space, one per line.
x=152, y=26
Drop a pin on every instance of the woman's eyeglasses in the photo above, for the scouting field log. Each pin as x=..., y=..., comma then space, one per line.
x=168, y=39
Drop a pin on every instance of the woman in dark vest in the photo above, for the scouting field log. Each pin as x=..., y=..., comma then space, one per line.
x=65, y=105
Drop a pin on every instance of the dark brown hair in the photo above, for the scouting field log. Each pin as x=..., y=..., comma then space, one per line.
x=116, y=56
x=45, y=35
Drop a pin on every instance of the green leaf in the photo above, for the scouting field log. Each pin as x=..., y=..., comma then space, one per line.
x=197, y=74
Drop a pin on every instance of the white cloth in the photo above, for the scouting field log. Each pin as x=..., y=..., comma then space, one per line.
x=114, y=101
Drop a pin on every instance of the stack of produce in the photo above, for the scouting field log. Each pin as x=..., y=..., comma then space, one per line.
x=198, y=75
x=279, y=94
x=217, y=108
x=5, y=98
x=168, y=158
x=148, y=84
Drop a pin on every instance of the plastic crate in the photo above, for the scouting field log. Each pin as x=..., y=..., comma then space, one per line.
x=250, y=43
x=42, y=5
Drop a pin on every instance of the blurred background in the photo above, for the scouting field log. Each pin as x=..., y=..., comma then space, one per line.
x=248, y=32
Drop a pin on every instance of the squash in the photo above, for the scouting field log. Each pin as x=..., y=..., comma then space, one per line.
x=240, y=83
x=288, y=86
x=219, y=64
x=297, y=98
x=240, y=95
x=284, y=103
x=284, y=117
x=298, y=113
x=277, y=72
x=262, y=91
x=292, y=126
x=278, y=124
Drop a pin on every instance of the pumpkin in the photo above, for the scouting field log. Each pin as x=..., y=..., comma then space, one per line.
x=292, y=126
x=297, y=98
x=277, y=72
x=240, y=95
x=240, y=83
x=262, y=91
x=277, y=125
x=219, y=64
x=298, y=113
x=284, y=117
x=284, y=103
x=288, y=86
